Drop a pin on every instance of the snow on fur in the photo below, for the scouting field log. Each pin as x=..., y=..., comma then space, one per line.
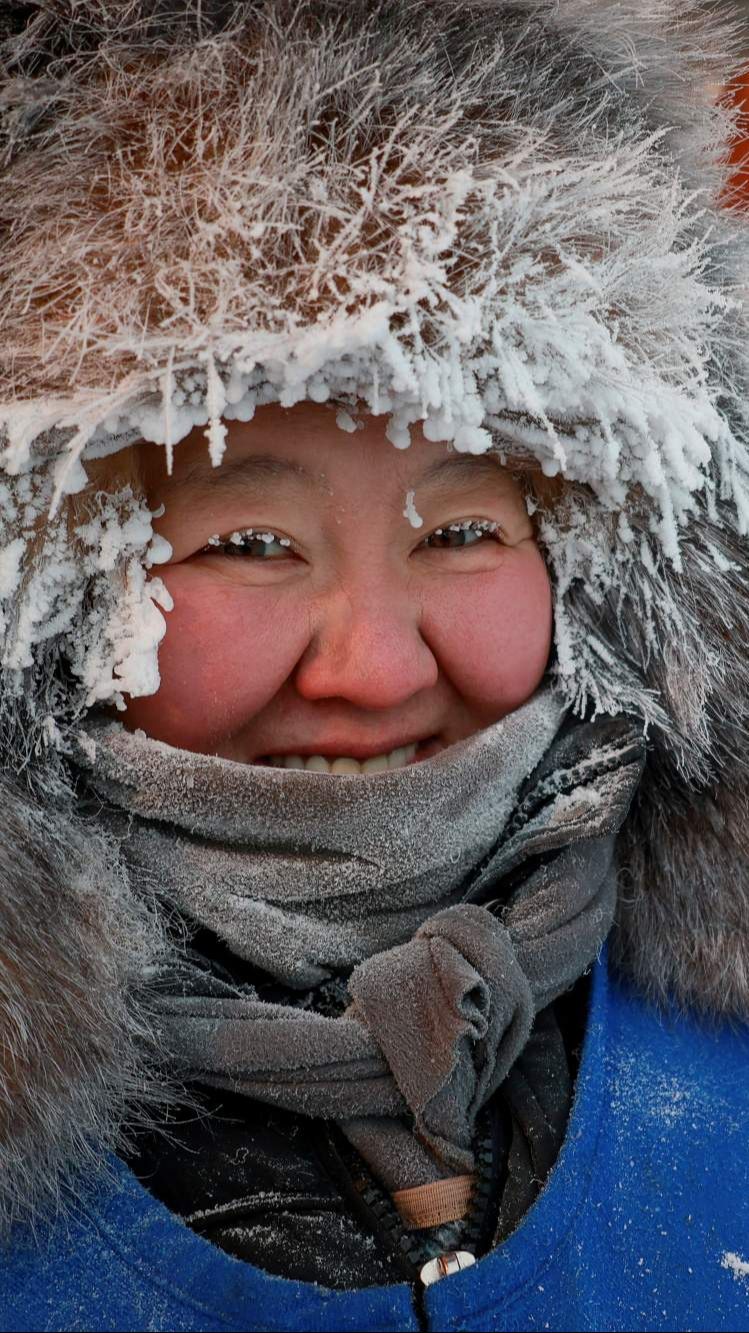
x=187, y=237
x=110, y=648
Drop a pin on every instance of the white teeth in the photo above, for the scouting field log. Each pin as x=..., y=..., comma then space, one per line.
x=377, y=764
x=317, y=763
x=399, y=757
x=345, y=766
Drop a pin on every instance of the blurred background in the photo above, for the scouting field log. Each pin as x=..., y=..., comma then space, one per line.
x=738, y=93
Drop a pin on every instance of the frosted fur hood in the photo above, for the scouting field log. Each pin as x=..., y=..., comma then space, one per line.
x=499, y=219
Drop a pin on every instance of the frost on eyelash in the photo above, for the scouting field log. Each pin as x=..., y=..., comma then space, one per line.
x=246, y=534
x=475, y=524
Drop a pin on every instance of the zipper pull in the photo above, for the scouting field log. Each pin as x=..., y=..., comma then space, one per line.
x=445, y=1264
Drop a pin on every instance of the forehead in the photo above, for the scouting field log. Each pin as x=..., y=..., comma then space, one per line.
x=303, y=449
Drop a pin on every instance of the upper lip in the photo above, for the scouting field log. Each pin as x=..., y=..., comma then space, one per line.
x=350, y=749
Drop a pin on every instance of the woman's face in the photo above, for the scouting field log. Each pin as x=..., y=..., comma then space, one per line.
x=337, y=629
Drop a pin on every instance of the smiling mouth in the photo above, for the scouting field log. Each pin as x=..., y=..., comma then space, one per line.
x=346, y=765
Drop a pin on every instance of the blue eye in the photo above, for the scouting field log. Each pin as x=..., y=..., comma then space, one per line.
x=468, y=532
x=256, y=542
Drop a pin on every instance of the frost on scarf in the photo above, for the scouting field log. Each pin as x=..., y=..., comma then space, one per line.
x=545, y=284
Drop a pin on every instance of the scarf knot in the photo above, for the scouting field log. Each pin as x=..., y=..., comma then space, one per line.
x=458, y=992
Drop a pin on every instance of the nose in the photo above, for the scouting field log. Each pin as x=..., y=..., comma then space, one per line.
x=366, y=647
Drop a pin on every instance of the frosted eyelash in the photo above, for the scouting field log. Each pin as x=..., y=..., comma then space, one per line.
x=246, y=534
x=475, y=524
x=238, y=538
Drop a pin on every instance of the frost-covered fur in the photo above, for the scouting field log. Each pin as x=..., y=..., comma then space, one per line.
x=683, y=927
x=496, y=219
x=78, y=1059
x=500, y=218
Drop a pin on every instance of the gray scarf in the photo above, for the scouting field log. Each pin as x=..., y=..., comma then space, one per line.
x=307, y=875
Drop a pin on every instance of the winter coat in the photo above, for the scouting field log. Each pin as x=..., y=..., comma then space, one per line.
x=643, y=1224
x=508, y=220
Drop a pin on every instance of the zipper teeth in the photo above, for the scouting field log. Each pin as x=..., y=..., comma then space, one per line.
x=420, y=1306
x=376, y=1208
x=371, y=1218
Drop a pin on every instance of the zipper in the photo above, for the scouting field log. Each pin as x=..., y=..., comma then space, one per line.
x=420, y=1306
x=377, y=1213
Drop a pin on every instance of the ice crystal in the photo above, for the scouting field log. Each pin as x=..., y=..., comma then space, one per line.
x=90, y=590
x=410, y=511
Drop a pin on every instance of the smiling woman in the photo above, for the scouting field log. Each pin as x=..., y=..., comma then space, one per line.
x=374, y=667
x=340, y=632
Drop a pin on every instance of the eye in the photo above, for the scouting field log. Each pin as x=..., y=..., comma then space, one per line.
x=466, y=532
x=259, y=543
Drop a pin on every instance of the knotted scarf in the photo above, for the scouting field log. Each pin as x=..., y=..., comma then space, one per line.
x=458, y=896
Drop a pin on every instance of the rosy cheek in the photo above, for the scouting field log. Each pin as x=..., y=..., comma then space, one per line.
x=492, y=632
x=225, y=654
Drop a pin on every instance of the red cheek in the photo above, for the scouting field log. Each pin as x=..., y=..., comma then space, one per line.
x=492, y=632
x=225, y=654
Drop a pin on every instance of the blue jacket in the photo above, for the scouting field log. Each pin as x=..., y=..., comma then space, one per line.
x=644, y=1222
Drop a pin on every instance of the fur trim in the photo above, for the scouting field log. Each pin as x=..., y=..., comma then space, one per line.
x=79, y=1060
x=212, y=205
x=683, y=920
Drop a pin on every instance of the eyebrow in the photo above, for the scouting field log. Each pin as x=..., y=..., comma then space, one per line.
x=468, y=468
x=264, y=471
